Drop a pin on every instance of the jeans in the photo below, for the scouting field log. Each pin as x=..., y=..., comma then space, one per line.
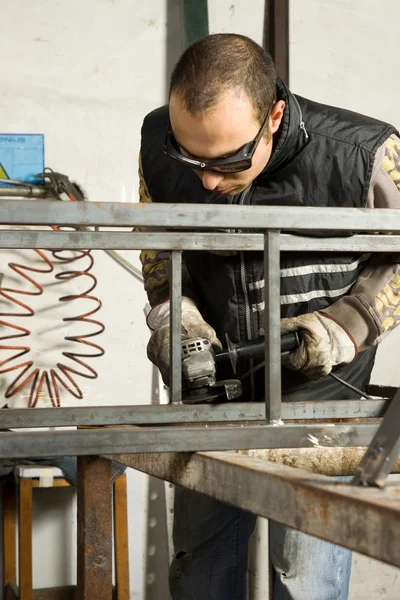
x=211, y=555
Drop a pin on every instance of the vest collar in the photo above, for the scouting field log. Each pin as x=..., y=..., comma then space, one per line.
x=292, y=134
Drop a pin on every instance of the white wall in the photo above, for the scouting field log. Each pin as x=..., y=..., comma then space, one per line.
x=85, y=74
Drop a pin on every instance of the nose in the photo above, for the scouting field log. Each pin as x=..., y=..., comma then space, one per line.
x=210, y=179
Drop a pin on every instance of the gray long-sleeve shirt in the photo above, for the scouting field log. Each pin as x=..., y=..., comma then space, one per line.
x=372, y=307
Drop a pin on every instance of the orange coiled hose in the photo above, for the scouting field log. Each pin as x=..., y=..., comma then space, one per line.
x=61, y=375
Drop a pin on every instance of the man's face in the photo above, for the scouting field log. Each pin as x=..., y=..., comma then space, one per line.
x=220, y=132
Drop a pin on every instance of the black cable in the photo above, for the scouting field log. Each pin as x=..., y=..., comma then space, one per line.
x=351, y=387
x=345, y=383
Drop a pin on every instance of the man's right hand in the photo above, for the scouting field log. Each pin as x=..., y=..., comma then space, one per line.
x=193, y=326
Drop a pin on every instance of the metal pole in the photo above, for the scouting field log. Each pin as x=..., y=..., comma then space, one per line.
x=94, y=552
x=195, y=14
x=272, y=313
x=383, y=449
x=276, y=35
x=176, y=327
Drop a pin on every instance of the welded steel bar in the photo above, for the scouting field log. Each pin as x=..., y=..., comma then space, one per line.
x=272, y=332
x=94, y=529
x=176, y=327
x=126, y=240
x=383, y=450
x=366, y=520
x=192, y=438
x=144, y=414
x=198, y=216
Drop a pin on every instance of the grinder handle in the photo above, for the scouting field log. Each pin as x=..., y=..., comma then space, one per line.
x=290, y=341
x=254, y=348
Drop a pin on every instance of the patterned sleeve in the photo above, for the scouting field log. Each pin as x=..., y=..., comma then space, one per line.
x=391, y=160
x=372, y=308
x=154, y=262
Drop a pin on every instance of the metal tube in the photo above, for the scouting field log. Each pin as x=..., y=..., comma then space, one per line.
x=128, y=266
x=126, y=240
x=272, y=313
x=117, y=440
x=164, y=414
x=196, y=216
x=176, y=327
x=23, y=191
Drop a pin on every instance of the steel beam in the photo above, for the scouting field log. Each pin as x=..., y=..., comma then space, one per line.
x=366, y=520
x=94, y=535
x=191, y=438
x=126, y=240
x=198, y=216
x=178, y=413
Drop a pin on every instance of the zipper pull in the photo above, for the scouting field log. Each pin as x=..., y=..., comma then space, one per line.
x=303, y=127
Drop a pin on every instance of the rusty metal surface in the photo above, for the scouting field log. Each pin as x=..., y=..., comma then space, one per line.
x=94, y=552
x=366, y=520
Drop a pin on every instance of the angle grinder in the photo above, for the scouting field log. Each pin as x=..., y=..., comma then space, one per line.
x=199, y=367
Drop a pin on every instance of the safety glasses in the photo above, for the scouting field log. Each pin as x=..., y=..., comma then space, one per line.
x=239, y=161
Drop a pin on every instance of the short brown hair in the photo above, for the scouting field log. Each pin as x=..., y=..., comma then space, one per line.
x=222, y=62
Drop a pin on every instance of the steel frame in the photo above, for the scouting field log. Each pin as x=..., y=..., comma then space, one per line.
x=175, y=428
x=366, y=520
x=200, y=219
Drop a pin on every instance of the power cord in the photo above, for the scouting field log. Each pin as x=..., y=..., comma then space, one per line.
x=338, y=379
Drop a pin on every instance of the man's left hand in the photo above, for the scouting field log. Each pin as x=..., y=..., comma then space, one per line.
x=324, y=344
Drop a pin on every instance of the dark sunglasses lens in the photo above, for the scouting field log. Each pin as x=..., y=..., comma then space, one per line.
x=240, y=165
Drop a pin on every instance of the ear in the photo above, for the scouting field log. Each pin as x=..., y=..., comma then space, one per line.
x=276, y=115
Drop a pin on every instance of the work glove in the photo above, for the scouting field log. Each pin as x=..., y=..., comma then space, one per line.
x=324, y=344
x=193, y=326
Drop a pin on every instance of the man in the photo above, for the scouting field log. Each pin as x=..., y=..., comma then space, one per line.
x=239, y=136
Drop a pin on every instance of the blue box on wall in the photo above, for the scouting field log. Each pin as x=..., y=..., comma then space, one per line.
x=21, y=156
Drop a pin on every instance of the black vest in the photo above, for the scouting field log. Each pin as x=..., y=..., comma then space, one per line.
x=323, y=156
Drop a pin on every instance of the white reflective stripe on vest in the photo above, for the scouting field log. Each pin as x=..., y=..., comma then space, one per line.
x=295, y=298
x=312, y=269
